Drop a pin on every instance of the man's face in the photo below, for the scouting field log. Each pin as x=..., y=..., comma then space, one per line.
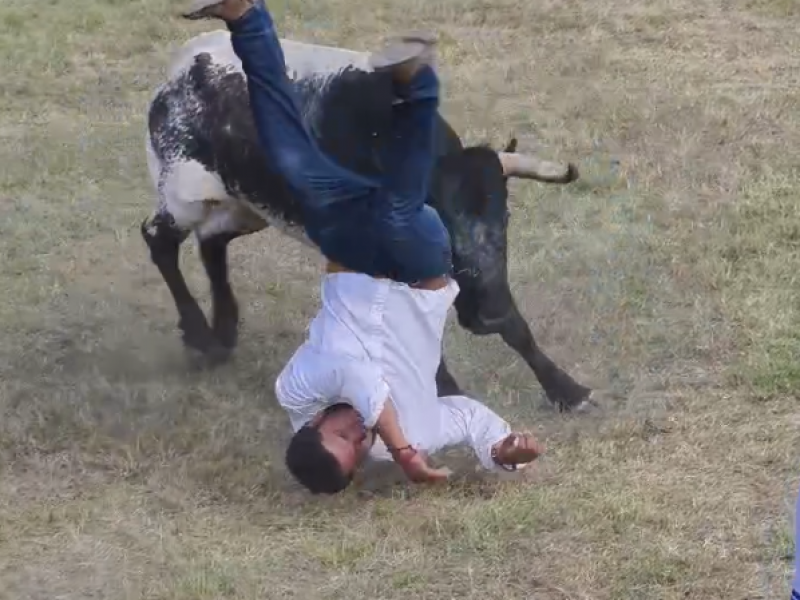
x=345, y=436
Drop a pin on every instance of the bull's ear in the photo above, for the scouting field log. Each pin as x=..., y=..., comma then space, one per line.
x=512, y=145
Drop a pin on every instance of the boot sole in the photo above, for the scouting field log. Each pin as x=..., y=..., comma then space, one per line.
x=403, y=49
x=201, y=9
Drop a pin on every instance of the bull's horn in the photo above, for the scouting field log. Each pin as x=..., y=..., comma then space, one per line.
x=525, y=166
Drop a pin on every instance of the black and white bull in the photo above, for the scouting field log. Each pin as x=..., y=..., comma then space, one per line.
x=212, y=179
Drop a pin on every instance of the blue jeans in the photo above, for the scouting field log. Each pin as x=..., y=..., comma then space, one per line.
x=375, y=227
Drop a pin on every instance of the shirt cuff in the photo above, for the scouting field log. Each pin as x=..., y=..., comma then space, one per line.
x=485, y=455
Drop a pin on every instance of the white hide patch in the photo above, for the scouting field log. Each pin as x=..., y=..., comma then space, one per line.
x=227, y=218
x=198, y=201
x=185, y=187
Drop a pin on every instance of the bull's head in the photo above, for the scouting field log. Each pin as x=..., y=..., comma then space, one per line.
x=470, y=192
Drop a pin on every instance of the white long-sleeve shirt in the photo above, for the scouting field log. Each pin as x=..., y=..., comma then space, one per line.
x=373, y=340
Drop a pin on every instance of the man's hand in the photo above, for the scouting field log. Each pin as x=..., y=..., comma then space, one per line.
x=517, y=449
x=413, y=462
x=416, y=467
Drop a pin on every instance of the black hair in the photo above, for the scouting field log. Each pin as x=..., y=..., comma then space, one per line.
x=312, y=465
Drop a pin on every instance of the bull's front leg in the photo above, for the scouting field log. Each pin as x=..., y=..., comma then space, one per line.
x=561, y=389
x=164, y=240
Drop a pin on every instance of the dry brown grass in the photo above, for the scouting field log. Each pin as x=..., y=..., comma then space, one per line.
x=668, y=274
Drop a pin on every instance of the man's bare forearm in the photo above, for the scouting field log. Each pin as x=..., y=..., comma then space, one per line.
x=388, y=427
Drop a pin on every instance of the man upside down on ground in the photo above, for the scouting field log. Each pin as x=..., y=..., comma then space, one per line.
x=368, y=367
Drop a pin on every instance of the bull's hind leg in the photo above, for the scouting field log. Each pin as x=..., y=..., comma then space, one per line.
x=225, y=222
x=225, y=319
x=164, y=239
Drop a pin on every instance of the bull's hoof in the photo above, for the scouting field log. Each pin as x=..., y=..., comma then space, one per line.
x=227, y=335
x=572, y=398
x=203, y=348
x=214, y=356
x=583, y=406
x=201, y=339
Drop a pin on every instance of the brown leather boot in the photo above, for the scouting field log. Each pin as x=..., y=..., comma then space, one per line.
x=404, y=54
x=516, y=451
x=227, y=10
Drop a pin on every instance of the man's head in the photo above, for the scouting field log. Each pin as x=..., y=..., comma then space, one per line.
x=324, y=454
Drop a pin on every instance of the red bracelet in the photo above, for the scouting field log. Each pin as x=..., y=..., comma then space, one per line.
x=396, y=451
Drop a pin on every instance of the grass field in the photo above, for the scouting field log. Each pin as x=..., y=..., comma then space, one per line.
x=667, y=275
